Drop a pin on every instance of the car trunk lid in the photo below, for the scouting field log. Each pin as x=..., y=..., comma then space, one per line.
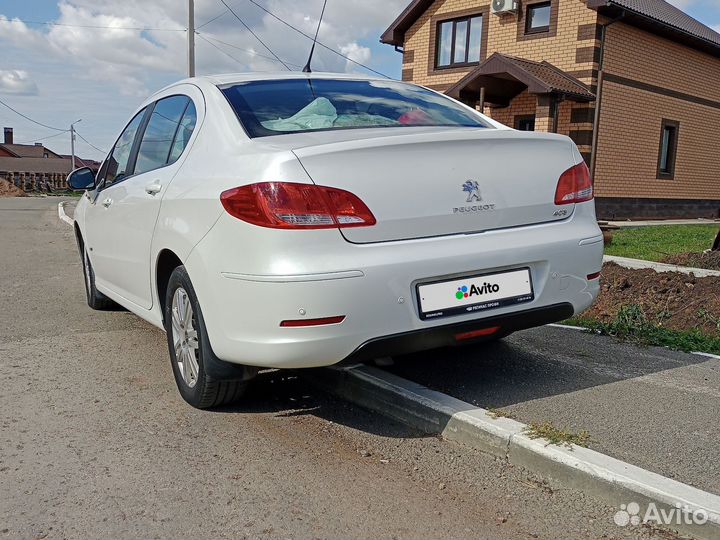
x=454, y=182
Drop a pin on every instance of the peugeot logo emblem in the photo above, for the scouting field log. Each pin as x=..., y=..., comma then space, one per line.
x=473, y=190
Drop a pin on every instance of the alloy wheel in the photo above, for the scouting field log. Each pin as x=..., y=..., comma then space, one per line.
x=185, y=338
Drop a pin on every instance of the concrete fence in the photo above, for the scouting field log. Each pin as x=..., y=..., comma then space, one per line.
x=31, y=181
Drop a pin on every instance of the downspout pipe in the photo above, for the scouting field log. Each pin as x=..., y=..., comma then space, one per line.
x=598, y=93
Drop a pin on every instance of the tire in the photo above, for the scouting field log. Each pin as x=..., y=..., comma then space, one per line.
x=194, y=363
x=95, y=299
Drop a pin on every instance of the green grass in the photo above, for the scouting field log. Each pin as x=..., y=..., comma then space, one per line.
x=655, y=243
x=66, y=194
x=557, y=436
x=499, y=413
x=631, y=324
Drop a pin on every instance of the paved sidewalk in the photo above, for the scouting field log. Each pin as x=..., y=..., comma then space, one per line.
x=651, y=407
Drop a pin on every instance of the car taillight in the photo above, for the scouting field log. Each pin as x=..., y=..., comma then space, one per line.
x=574, y=185
x=286, y=205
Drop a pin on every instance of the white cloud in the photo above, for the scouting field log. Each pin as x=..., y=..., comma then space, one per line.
x=15, y=81
x=101, y=74
x=130, y=58
x=357, y=53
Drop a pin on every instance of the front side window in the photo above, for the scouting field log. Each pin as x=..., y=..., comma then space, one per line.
x=668, y=149
x=459, y=42
x=537, y=18
x=117, y=165
x=160, y=133
x=275, y=107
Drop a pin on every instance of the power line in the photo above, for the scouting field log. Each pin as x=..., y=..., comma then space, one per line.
x=226, y=53
x=49, y=23
x=201, y=36
x=247, y=51
x=30, y=119
x=319, y=43
x=91, y=144
x=255, y=35
x=212, y=20
x=44, y=138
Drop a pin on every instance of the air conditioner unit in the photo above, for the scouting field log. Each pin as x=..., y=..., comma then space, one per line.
x=504, y=6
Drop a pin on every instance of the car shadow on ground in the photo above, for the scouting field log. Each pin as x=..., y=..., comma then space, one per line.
x=530, y=365
x=287, y=393
x=534, y=364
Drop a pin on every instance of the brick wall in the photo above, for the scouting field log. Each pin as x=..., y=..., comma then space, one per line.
x=523, y=105
x=648, y=79
x=570, y=45
x=573, y=29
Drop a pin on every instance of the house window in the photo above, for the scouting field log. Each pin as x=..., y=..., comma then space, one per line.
x=459, y=42
x=668, y=149
x=525, y=123
x=537, y=18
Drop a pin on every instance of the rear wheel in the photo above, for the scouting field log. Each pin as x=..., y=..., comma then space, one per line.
x=95, y=299
x=190, y=352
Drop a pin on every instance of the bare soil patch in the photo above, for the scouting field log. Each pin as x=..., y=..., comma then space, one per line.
x=9, y=190
x=673, y=300
x=709, y=261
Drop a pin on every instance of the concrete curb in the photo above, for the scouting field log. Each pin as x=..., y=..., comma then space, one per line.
x=582, y=329
x=63, y=216
x=663, y=222
x=613, y=480
x=637, y=264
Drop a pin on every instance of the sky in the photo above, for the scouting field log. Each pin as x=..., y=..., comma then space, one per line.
x=58, y=74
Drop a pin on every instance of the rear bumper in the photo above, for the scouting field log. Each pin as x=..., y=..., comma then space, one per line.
x=444, y=336
x=247, y=285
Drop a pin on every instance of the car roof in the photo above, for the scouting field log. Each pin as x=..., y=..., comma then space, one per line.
x=230, y=78
x=227, y=79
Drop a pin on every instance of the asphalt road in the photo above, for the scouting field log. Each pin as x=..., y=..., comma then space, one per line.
x=96, y=442
x=649, y=406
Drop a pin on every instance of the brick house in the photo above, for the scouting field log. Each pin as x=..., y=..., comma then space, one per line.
x=635, y=83
x=34, y=167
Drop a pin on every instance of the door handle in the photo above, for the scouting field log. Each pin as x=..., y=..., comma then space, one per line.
x=107, y=202
x=153, y=189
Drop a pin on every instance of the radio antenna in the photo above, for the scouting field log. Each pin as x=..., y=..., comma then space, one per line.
x=307, y=68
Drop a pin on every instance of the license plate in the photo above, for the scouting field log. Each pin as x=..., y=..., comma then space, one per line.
x=475, y=293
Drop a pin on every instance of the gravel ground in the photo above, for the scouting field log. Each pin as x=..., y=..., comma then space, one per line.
x=95, y=441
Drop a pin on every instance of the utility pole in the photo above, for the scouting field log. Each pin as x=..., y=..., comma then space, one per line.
x=191, y=38
x=72, y=141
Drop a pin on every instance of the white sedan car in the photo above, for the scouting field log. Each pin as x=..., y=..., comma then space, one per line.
x=299, y=220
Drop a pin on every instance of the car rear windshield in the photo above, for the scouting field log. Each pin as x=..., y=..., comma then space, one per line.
x=300, y=105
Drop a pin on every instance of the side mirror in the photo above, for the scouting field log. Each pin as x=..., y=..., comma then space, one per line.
x=81, y=179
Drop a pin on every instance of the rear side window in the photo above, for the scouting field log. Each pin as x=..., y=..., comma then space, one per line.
x=185, y=130
x=300, y=105
x=159, y=137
